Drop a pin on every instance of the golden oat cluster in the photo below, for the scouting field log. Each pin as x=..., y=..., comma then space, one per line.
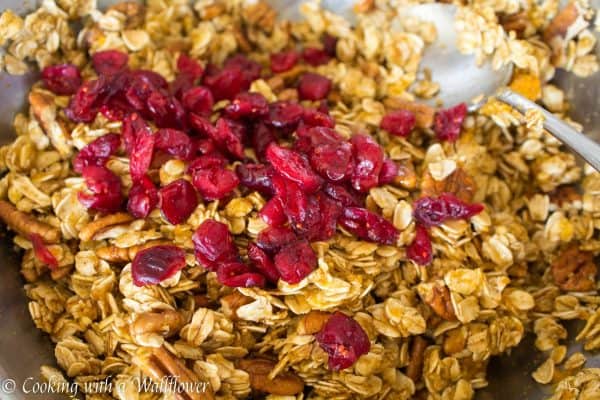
x=522, y=265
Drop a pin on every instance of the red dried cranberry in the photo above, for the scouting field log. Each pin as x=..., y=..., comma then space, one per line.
x=305, y=216
x=201, y=125
x=213, y=244
x=399, y=122
x=247, y=105
x=331, y=161
x=237, y=274
x=199, y=100
x=368, y=159
x=272, y=212
x=344, y=340
x=330, y=211
x=430, y=211
x=262, y=136
x=263, y=262
x=143, y=197
x=109, y=62
x=293, y=166
x=153, y=265
x=319, y=135
x=345, y=196
x=313, y=86
x=420, y=250
x=207, y=161
x=389, y=171
x=139, y=90
x=105, y=188
x=85, y=103
x=215, y=183
x=189, y=66
x=174, y=142
x=295, y=261
x=141, y=154
x=250, y=69
x=256, y=177
x=150, y=77
x=63, y=79
x=41, y=252
x=284, y=61
x=204, y=146
x=285, y=115
x=368, y=225
x=132, y=125
x=97, y=152
x=166, y=111
x=449, y=121
x=272, y=239
x=229, y=135
x=116, y=109
x=295, y=202
x=312, y=117
x=225, y=83
x=177, y=201
x=329, y=44
x=315, y=57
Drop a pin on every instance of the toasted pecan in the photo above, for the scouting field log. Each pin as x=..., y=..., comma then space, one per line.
x=284, y=384
x=91, y=229
x=312, y=322
x=26, y=225
x=575, y=270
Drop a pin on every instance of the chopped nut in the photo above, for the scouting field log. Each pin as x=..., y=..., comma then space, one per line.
x=166, y=323
x=415, y=363
x=27, y=225
x=561, y=22
x=516, y=22
x=437, y=296
x=458, y=183
x=312, y=322
x=575, y=270
x=565, y=194
x=231, y=302
x=424, y=114
x=133, y=11
x=284, y=384
x=125, y=254
x=90, y=230
x=407, y=177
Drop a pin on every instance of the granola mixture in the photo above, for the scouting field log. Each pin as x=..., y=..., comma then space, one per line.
x=205, y=191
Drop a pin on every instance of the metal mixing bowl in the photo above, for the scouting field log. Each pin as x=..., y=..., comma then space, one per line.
x=23, y=348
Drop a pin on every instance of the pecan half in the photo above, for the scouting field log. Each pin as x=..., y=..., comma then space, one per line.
x=437, y=296
x=284, y=384
x=26, y=225
x=564, y=194
x=312, y=322
x=415, y=362
x=575, y=270
x=424, y=114
x=91, y=229
x=44, y=111
x=167, y=323
x=231, y=302
x=561, y=22
x=125, y=254
x=406, y=177
x=458, y=183
x=516, y=22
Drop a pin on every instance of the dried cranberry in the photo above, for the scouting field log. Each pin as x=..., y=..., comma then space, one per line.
x=97, y=152
x=141, y=154
x=399, y=122
x=431, y=211
x=420, y=250
x=166, y=111
x=237, y=274
x=315, y=56
x=174, y=142
x=215, y=183
x=139, y=90
x=449, y=121
x=345, y=196
x=213, y=244
x=329, y=44
x=272, y=212
x=41, y=252
x=177, y=201
x=368, y=225
x=202, y=125
x=250, y=69
x=304, y=216
x=329, y=211
x=284, y=61
x=132, y=125
x=199, y=100
x=256, y=177
x=295, y=261
x=293, y=166
x=295, y=201
x=247, y=105
x=312, y=117
x=368, y=160
x=344, y=340
x=109, y=62
x=273, y=238
x=85, y=103
x=285, y=115
x=331, y=161
x=153, y=265
x=319, y=135
x=225, y=83
x=150, y=77
x=63, y=79
x=143, y=197
x=116, y=109
x=229, y=135
x=189, y=66
x=105, y=188
x=389, y=171
x=313, y=86
x=207, y=161
x=263, y=262
x=262, y=136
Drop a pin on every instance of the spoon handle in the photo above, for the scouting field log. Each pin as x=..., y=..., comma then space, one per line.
x=576, y=141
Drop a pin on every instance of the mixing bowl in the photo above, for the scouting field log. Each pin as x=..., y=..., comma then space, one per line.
x=23, y=348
